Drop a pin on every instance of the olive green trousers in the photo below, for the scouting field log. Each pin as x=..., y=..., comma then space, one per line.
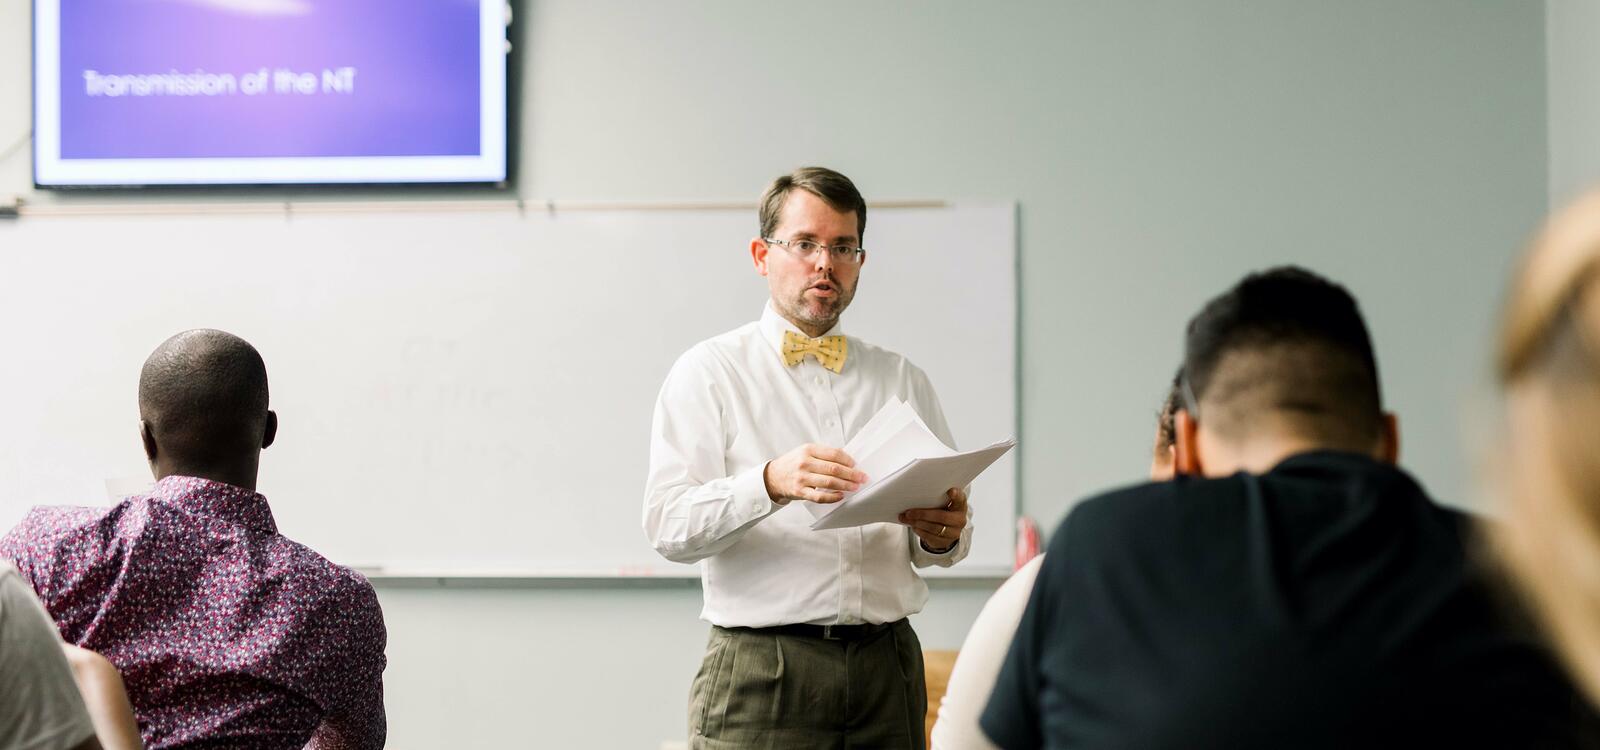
x=759, y=690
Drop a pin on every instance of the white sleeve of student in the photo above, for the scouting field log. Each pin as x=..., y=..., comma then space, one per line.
x=978, y=664
x=693, y=507
x=40, y=707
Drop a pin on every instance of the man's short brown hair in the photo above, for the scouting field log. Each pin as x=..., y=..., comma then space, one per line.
x=834, y=188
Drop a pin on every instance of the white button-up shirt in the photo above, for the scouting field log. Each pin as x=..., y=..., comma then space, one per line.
x=729, y=406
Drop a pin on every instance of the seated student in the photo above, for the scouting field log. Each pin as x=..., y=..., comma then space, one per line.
x=972, y=677
x=1293, y=588
x=227, y=633
x=51, y=700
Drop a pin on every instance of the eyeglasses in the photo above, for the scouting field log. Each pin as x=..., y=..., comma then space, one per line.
x=844, y=255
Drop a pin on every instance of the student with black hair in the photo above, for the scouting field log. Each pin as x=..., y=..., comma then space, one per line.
x=1291, y=588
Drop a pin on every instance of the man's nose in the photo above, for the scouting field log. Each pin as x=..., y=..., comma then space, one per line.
x=824, y=259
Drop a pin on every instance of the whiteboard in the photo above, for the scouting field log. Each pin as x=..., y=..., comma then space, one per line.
x=464, y=393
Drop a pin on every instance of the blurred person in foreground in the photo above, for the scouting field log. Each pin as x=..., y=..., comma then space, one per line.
x=1549, y=370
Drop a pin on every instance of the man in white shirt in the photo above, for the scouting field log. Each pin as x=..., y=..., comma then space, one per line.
x=809, y=647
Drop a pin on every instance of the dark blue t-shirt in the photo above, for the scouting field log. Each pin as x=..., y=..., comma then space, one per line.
x=1325, y=604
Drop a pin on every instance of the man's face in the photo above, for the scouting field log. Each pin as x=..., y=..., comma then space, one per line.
x=809, y=292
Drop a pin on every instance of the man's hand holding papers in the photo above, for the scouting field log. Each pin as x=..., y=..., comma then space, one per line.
x=908, y=469
x=817, y=473
x=939, y=528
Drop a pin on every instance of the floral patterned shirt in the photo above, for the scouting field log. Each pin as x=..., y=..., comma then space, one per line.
x=226, y=633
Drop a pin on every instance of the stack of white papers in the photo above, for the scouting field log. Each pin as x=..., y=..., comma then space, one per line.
x=906, y=466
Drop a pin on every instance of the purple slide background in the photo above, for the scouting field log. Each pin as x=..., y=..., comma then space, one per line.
x=416, y=89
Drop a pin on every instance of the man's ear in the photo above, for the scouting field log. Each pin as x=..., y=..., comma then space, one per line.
x=271, y=432
x=1186, y=445
x=1389, y=440
x=758, y=254
x=148, y=437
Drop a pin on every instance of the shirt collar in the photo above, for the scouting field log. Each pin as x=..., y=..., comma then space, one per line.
x=773, y=326
x=1332, y=461
x=224, y=502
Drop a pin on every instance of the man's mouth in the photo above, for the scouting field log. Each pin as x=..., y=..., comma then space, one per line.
x=825, y=289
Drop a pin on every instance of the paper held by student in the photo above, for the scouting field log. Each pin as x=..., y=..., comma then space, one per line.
x=906, y=466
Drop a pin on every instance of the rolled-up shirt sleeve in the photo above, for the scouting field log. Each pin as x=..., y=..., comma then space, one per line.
x=693, y=508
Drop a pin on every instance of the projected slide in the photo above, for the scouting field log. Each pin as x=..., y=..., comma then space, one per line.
x=136, y=92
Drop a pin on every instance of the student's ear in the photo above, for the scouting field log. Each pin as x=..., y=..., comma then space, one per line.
x=1389, y=440
x=1186, y=445
x=148, y=437
x=758, y=254
x=271, y=432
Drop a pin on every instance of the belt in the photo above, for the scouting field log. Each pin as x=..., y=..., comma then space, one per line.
x=825, y=632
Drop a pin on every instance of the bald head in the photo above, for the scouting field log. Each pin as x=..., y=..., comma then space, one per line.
x=203, y=400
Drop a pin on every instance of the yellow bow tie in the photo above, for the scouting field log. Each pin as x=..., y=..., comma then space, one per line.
x=829, y=351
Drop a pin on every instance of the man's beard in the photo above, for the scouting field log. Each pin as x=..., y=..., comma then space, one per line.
x=801, y=308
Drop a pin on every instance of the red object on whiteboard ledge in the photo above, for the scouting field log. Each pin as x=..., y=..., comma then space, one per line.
x=1027, y=541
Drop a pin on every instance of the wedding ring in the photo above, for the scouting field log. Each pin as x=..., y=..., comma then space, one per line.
x=943, y=529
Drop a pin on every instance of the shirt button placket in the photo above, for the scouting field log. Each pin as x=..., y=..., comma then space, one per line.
x=831, y=430
x=850, y=541
x=850, y=576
